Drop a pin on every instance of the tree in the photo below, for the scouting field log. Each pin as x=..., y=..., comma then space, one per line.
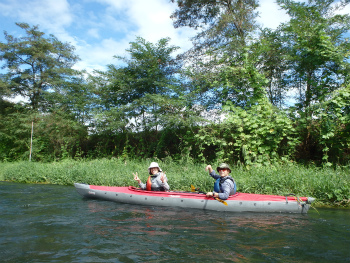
x=221, y=65
x=317, y=60
x=40, y=69
x=74, y=98
x=3, y=87
x=272, y=63
x=221, y=21
x=142, y=101
x=146, y=92
x=318, y=51
x=36, y=65
x=332, y=128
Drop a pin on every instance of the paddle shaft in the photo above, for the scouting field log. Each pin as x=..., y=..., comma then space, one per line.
x=216, y=198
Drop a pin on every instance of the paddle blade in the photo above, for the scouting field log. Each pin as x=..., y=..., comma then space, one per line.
x=193, y=189
x=220, y=200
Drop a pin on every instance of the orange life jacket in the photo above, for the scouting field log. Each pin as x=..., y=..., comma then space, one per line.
x=149, y=184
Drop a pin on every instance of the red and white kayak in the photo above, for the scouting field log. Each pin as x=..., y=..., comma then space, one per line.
x=240, y=202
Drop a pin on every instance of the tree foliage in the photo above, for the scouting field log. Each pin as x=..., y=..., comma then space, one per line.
x=145, y=93
x=272, y=62
x=260, y=135
x=36, y=65
x=221, y=66
x=318, y=52
x=220, y=21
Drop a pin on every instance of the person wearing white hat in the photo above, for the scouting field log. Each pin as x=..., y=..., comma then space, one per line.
x=157, y=181
x=224, y=184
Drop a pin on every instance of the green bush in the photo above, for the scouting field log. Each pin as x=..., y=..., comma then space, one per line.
x=328, y=186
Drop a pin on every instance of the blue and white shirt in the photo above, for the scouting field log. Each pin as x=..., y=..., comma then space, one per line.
x=226, y=185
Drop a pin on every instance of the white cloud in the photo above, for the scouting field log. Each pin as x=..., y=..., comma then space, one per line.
x=271, y=14
x=49, y=14
x=153, y=21
x=148, y=19
x=93, y=32
x=52, y=16
x=98, y=56
x=344, y=11
x=99, y=29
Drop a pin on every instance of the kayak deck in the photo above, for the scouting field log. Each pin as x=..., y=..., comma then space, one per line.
x=237, y=196
x=240, y=202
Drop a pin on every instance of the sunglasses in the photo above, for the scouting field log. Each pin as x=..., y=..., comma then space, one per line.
x=222, y=169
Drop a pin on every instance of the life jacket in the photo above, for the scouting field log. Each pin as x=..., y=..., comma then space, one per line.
x=150, y=186
x=220, y=181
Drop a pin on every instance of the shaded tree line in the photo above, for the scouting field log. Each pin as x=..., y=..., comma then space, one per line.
x=242, y=93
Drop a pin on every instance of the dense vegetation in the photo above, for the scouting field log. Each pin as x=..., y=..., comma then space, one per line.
x=328, y=186
x=254, y=97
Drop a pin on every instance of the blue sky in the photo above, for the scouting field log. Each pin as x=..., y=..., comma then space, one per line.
x=100, y=29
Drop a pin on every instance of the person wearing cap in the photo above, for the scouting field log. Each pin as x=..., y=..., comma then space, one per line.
x=224, y=185
x=157, y=181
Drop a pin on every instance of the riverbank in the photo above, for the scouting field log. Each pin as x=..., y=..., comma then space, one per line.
x=330, y=187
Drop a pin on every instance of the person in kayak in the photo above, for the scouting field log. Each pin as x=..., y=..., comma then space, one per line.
x=157, y=181
x=224, y=185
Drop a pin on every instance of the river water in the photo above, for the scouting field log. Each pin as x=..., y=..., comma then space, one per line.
x=49, y=223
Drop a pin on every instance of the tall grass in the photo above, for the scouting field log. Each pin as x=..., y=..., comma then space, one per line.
x=328, y=186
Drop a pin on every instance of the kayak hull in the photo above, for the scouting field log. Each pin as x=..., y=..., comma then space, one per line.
x=240, y=202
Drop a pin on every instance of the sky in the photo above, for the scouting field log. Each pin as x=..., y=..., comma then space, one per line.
x=101, y=29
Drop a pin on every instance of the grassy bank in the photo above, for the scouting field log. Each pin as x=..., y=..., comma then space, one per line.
x=329, y=186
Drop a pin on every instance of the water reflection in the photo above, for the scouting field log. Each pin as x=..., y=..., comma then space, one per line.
x=209, y=236
x=197, y=233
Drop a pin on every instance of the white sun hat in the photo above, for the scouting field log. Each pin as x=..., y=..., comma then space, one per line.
x=153, y=165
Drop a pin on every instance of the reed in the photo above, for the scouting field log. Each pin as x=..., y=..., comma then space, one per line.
x=328, y=186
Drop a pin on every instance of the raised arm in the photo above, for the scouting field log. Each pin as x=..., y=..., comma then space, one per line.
x=209, y=168
x=164, y=181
